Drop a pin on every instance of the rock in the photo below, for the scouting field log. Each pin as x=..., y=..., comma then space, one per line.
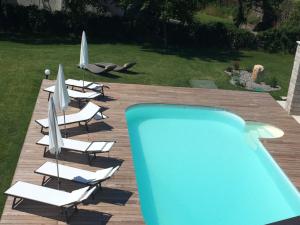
x=244, y=79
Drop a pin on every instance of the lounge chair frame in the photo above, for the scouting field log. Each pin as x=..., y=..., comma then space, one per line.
x=47, y=178
x=79, y=122
x=87, y=87
x=101, y=91
x=79, y=100
x=64, y=209
x=90, y=155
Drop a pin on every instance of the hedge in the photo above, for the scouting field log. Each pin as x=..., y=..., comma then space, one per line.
x=31, y=20
x=281, y=39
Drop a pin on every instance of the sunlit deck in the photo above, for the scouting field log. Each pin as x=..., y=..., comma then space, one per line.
x=118, y=202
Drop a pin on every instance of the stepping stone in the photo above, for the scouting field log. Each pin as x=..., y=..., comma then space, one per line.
x=203, y=84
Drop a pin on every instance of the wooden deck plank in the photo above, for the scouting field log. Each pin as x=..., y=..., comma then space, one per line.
x=118, y=203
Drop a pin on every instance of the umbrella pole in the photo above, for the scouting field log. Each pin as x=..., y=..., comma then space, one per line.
x=83, y=82
x=65, y=123
x=57, y=171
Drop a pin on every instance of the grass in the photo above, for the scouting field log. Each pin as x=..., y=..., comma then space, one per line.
x=214, y=13
x=22, y=69
x=206, y=18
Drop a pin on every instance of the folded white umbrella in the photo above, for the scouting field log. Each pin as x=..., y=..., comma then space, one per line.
x=55, y=139
x=61, y=97
x=84, y=57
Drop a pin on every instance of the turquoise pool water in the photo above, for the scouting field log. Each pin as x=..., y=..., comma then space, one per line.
x=200, y=166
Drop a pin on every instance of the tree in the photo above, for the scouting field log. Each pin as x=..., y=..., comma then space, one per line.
x=270, y=9
x=240, y=15
x=78, y=7
x=181, y=10
x=154, y=13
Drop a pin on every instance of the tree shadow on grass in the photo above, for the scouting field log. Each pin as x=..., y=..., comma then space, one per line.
x=185, y=51
x=43, y=39
x=206, y=54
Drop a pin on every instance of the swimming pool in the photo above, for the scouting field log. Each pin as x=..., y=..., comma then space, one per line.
x=201, y=166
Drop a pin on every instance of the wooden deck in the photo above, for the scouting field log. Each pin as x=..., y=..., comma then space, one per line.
x=118, y=203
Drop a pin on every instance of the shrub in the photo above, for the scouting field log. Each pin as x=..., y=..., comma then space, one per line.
x=236, y=65
x=281, y=39
x=242, y=38
x=261, y=77
x=31, y=20
x=249, y=69
x=229, y=69
x=218, y=34
x=210, y=34
x=274, y=82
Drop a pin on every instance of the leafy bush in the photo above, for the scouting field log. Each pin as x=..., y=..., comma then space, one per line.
x=274, y=82
x=281, y=39
x=242, y=39
x=229, y=69
x=261, y=77
x=31, y=20
x=236, y=65
x=222, y=35
x=249, y=69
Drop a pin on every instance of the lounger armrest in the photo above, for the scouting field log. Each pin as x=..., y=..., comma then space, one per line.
x=112, y=172
x=86, y=194
x=102, y=177
x=78, y=196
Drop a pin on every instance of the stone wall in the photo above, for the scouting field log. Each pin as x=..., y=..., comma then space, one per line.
x=293, y=98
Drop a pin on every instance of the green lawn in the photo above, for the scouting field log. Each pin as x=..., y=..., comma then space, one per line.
x=203, y=17
x=215, y=13
x=22, y=66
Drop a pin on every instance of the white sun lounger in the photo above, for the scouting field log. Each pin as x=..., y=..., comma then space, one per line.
x=85, y=147
x=49, y=169
x=65, y=200
x=77, y=95
x=84, y=115
x=86, y=85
